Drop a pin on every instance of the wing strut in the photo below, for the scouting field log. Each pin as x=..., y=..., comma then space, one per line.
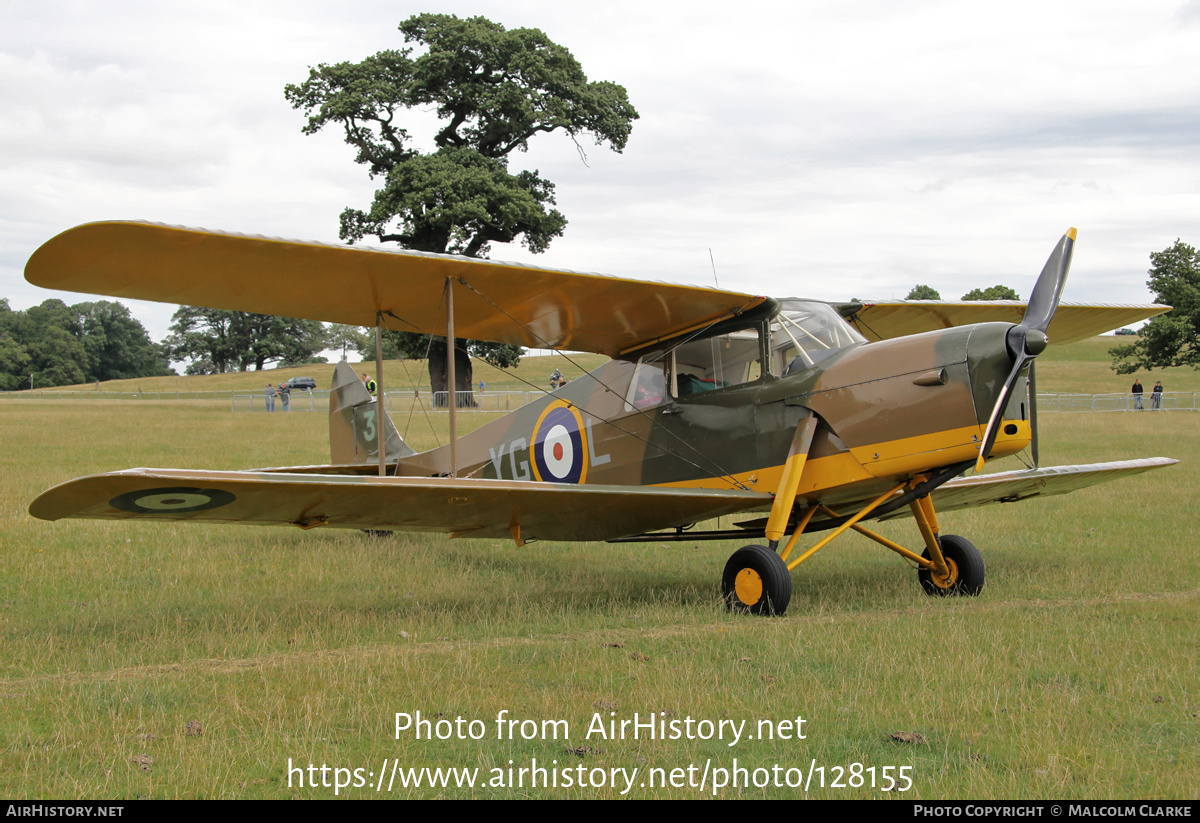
x=380, y=405
x=452, y=394
x=1033, y=421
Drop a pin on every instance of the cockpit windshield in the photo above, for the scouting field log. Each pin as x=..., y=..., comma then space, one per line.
x=805, y=333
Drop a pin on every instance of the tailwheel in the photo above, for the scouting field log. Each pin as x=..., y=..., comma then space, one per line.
x=964, y=569
x=756, y=580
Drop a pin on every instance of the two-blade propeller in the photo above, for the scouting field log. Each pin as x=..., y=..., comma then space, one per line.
x=1027, y=339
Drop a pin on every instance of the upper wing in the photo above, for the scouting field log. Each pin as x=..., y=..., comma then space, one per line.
x=521, y=510
x=496, y=302
x=1009, y=487
x=1072, y=321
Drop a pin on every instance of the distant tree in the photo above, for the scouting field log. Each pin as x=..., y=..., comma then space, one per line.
x=220, y=340
x=993, y=293
x=65, y=345
x=208, y=337
x=57, y=358
x=14, y=357
x=920, y=292
x=493, y=90
x=201, y=366
x=340, y=336
x=14, y=365
x=1171, y=339
x=40, y=346
x=117, y=345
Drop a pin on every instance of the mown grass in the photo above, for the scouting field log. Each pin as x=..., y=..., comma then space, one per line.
x=1085, y=367
x=155, y=660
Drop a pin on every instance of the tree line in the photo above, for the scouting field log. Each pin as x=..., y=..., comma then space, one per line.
x=54, y=344
x=921, y=292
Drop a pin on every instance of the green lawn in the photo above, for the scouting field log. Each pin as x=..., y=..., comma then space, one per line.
x=159, y=660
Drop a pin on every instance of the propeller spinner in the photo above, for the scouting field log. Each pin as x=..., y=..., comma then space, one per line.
x=1027, y=339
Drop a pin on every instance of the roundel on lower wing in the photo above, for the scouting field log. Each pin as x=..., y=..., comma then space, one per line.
x=175, y=500
x=559, y=450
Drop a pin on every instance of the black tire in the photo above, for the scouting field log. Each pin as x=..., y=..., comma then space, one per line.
x=966, y=569
x=765, y=585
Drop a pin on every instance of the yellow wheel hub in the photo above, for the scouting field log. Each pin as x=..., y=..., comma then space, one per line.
x=748, y=587
x=949, y=579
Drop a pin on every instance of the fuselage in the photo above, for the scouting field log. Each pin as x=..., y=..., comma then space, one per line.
x=721, y=411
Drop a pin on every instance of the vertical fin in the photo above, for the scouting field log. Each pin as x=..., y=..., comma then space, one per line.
x=353, y=436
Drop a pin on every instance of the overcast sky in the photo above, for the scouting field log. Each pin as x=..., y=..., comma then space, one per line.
x=826, y=149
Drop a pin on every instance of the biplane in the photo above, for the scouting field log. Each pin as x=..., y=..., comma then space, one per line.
x=801, y=417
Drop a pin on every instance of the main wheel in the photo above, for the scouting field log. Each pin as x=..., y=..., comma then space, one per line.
x=964, y=564
x=756, y=580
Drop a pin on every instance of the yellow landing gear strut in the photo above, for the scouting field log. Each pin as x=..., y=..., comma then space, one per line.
x=950, y=565
x=758, y=580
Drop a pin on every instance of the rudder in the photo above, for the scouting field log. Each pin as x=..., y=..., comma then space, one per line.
x=353, y=436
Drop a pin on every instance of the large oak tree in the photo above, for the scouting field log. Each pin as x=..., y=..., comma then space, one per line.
x=492, y=90
x=1171, y=339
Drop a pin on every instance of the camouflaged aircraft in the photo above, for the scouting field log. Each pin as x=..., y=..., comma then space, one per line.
x=802, y=416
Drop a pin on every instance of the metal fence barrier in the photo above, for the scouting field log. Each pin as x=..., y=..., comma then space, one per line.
x=303, y=400
x=1169, y=401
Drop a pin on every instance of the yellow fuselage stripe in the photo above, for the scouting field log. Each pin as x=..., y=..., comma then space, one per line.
x=894, y=458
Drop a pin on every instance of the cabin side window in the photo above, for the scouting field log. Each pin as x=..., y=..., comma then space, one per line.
x=696, y=367
x=715, y=363
x=648, y=387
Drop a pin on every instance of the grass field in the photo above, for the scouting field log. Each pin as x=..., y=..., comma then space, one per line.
x=161, y=661
x=1086, y=368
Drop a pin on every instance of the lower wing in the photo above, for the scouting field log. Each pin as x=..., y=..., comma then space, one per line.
x=460, y=507
x=1009, y=487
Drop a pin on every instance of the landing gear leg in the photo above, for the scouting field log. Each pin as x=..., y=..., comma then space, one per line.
x=953, y=566
x=964, y=569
